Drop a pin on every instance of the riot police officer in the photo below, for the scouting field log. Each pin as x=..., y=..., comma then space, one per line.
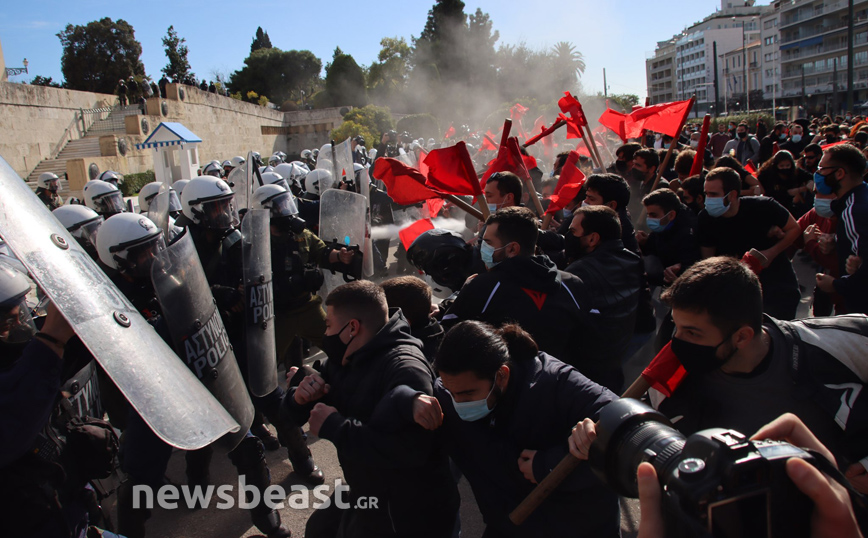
x=103, y=197
x=82, y=223
x=46, y=189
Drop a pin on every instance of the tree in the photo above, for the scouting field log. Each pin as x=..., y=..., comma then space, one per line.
x=625, y=102
x=387, y=77
x=281, y=75
x=39, y=80
x=351, y=129
x=99, y=54
x=377, y=120
x=568, y=65
x=178, y=67
x=261, y=41
x=345, y=81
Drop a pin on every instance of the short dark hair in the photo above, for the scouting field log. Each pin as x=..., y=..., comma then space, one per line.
x=729, y=177
x=474, y=346
x=724, y=288
x=849, y=158
x=507, y=183
x=611, y=188
x=694, y=186
x=665, y=198
x=628, y=151
x=362, y=300
x=516, y=224
x=649, y=156
x=813, y=148
x=684, y=161
x=412, y=295
x=600, y=219
x=861, y=137
x=779, y=125
x=742, y=124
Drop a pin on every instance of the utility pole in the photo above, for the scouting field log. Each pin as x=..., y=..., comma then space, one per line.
x=850, y=59
x=835, y=86
x=716, y=86
x=804, y=97
x=605, y=86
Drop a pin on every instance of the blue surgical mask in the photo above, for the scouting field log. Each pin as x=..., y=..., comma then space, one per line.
x=797, y=138
x=656, y=225
x=493, y=208
x=820, y=183
x=716, y=207
x=487, y=251
x=568, y=213
x=475, y=410
x=823, y=207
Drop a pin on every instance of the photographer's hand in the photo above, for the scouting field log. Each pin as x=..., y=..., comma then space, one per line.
x=650, y=509
x=833, y=514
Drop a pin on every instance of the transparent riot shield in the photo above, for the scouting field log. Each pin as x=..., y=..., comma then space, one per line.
x=341, y=224
x=368, y=248
x=158, y=211
x=326, y=161
x=197, y=330
x=344, y=160
x=156, y=383
x=259, y=302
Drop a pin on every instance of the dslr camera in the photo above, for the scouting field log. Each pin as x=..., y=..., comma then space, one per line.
x=716, y=482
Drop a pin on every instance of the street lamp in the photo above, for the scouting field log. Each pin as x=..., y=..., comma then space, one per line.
x=744, y=62
x=12, y=71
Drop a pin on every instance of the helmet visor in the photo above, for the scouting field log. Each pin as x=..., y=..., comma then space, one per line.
x=86, y=233
x=109, y=204
x=174, y=202
x=220, y=214
x=283, y=205
x=16, y=324
x=140, y=258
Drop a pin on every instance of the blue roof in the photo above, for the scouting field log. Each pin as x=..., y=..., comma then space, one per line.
x=185, y=136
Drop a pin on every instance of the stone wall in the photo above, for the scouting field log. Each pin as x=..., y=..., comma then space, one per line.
x=34, y=118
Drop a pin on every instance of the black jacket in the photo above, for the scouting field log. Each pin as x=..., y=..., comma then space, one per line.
x=613, y=279
x=545, y=398
x=430, y=335
x=392, y=459
x=676, y=244
x=546, y=302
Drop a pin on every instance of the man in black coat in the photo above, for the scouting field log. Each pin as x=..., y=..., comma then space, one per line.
x=523, y=288
x=383, y=457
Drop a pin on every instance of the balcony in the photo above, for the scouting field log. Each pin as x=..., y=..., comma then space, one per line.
x=842, y=25
x=807, y=15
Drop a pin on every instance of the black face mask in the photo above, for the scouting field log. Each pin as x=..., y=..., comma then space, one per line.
x=333, y=347
x=573, y=248
x=638, y=175
x=695, y=207
x=830, y=139
x=742, y=134
x=621, y=166
x=699, y=359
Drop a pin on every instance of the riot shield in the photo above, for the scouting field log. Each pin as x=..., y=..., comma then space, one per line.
x=158, y=210
x=325, y=161
x=259, y=302
x=238, y=181
x=341, y=221
x=368, y=247
x=344, y=160
x=160, y=388
x=197, y=330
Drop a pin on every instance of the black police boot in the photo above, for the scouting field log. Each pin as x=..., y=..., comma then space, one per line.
x=260, y=430
x=249, y=459
x=199, y=467
x=131, y=521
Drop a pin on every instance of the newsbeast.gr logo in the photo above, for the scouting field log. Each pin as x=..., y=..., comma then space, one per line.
x=227, y=497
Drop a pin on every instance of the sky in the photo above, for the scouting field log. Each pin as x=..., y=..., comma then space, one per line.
x=616, y=35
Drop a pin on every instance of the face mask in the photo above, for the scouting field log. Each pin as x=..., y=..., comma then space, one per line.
x=830, y=139
x=333, y=347
x=823, y=207
x=694, y=143
x=638, y=175
x=487, y=252
x=698, y=359
x=656, y=225
x=783, y=136
x=473, y=411
x=621, y=166
x=695, y=207
x=824, y=186
x=573, y=248
x=785, y=171
x=716, y=206
x=797, y=138
x=568, y=213
x=742, y=134
x=585, y=203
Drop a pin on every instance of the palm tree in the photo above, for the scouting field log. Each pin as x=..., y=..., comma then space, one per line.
x=569, y=64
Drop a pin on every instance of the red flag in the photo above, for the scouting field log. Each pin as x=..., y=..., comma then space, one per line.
x=614, y=120
x=434, y=206
x=509, y=159
x=451, y=171
x=825, y=146
x=666, y=118
x=699, y=159
x=404, y=184
x=569, y=184
x=545, y=132
x=665, y=372
x=576, y=120
x=517, y=112
x=750, y=167
x=539, y=124
x=421, y=163
x=449, y=132
x=411, y=232
x=487, y=142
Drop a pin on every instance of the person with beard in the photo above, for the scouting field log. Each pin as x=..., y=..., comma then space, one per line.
x=784, y=182
x=811, y=156
x=383, y=454
x=645, y=164
x=413, y=296
x=750, y=185
x=624, y=159
x=718, y=140
x=841, y=171
x=505, y=411
x=521, y=287
x=731, y=226
x=692, y=193
x=744, y=369
x=46, y=190
x=744, y=147
x=767, y=144
x=797, y=142
x=613, y=279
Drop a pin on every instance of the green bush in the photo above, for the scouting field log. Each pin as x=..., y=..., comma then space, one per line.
x=351, y=129
x=751, y=120
x=133, y=183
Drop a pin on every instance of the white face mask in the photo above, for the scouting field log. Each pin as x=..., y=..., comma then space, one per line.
x=694, y=143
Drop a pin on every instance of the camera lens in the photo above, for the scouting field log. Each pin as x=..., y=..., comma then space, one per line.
x=628, y=433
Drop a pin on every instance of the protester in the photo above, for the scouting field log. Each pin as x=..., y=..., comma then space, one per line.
x=413, y=296
x=671, y=246
x=796, y=142
x=785, y=183
x=744, y=147
x=718, y=140
x=693, y=193
x=768, y=143
x=750, y=185
x=818, y=240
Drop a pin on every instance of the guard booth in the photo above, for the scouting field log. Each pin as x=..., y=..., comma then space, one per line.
x=176, y=152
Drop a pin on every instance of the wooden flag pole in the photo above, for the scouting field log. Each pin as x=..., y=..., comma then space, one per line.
x=557, y=125
x=563, y=469
x=672, y=146
x=592, y=145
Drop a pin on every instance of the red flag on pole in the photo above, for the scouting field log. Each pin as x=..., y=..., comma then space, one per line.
x=665, y=372
x=451, y=171
x=750, y=167
x=699, y=159
x=614, y=120
x=576, y=120
x=434, y=206
x=487, y=141
x=509, y=159
x=516, y=113
x=569, y=184
x=449, y=132
x=665, y=118
x=411, y=232
x=404, y=184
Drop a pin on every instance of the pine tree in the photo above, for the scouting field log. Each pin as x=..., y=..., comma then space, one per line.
x=178, y=67
x=261, y=41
